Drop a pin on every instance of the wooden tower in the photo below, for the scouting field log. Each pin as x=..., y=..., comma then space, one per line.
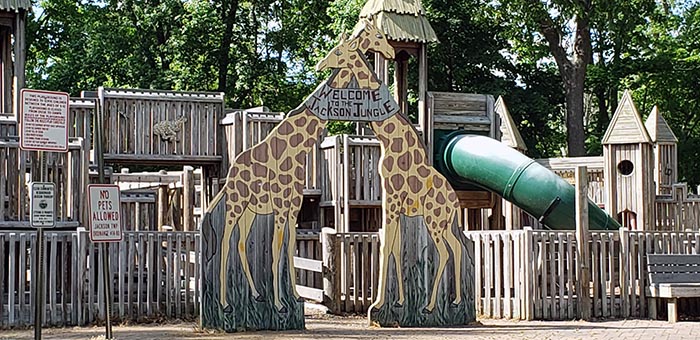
x=665, y=152
x=408, y=32
x=629, y=164
x=13, y=18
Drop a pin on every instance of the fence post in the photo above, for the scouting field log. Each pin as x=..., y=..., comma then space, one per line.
x=187, y=198
x=528, y=276
x=162, y=202
x=582, y=255
x=331, y=279
x=624, y=272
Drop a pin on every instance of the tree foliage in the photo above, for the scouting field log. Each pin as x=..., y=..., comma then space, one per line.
x=561, y=65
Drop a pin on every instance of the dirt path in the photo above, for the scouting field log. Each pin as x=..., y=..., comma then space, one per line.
x=332, y=327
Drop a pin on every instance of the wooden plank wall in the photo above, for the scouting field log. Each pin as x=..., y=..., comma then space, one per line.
x=350, y=183
x=308, y=247
x=68, y=171
x=130, y=115
x=155, y=274
x=678, y=211
x=359, y=268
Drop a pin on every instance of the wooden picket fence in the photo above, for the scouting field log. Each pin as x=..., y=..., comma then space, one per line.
x=528, y=274
x=154, y=274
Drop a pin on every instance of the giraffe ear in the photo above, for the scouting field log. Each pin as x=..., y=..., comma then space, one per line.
x=354, y=45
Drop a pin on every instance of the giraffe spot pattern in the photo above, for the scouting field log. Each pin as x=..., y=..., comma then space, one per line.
x=390, y=127
x=260, y=153
x=264, y=199
x=296, y=201
x=396, y=145
x=309, y=142
x=423, y=171
x=253, y=200
x=452, y=196
x=259, y=170
x=358, y=63
x=440, y=198
x=389, y=162
x=275, y=188
x=271, y=174
x=404, y=161
x=300, y=158
x=242, y=188
x=245, y=175
x=237, y=210
x=344, y=73
x=438, y=181
x=414, y=184
x=299, y=173
x=277, y=147
x=285, y=179
x=365, y=44
x=428, y=220
x=234, y=197
x=300, y=122
x=230, y=185
x=233, y=172
x=311, y=128
x=244, y=158
x=362, y=75
x=286, y=164
x=397, y=181
x=285, y=128
x=295, y=140
x=429, y=205
x=277, y=202
x=299, y=188
x=255, y=187
x=417, y=156
x=410, y=140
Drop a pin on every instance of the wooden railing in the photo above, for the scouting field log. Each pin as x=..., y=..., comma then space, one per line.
x=678, y=211
x=137, y=124
x=154, y=274
x=350, y=170
x=68, y=171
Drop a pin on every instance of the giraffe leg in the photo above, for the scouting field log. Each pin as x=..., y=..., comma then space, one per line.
x=291, y=250
x=391, y=234
x=277, y=244
x=225, y=249
x=443, y=255
x=456, y=246
x=399, y=266
x=245, y=224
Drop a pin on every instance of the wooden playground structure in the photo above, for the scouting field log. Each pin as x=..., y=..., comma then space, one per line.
x=521, y=269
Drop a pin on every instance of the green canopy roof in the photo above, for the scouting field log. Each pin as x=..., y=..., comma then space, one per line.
x=400, y=20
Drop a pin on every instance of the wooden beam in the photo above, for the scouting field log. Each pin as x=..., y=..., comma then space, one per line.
x=584, y=302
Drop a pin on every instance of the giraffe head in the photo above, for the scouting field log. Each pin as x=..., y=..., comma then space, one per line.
x=339, y=56
x=373, y=39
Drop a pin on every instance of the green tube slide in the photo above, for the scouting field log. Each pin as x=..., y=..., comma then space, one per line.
x=487, y=163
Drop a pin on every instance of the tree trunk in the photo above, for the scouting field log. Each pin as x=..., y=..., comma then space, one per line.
x=576, y=134
x=228, y=16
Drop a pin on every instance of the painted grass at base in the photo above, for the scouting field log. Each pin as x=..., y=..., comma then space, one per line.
x=246, y=313
x=419, y=265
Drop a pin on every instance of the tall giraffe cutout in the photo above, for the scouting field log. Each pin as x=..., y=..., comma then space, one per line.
x=411, y=186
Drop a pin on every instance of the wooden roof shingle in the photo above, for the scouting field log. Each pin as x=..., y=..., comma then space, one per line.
x=400, y=20
x=658, y=128
x=509, y=131
x=626, y=125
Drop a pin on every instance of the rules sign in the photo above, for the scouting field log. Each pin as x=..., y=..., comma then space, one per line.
x=44, y=120
x=42, y=212
x=105, y=219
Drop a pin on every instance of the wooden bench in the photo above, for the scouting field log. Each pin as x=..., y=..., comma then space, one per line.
x=672, y=277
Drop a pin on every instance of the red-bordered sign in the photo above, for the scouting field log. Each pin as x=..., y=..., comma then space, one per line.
x=43, y=120
x=105, y=213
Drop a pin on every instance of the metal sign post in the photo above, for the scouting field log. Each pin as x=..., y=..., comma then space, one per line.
x=42, y=215
x=105, y=227
x=43, y=127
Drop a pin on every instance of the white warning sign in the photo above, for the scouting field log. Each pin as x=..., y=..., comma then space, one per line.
x=42, y=208
x=44, y=120
x=105, y=219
